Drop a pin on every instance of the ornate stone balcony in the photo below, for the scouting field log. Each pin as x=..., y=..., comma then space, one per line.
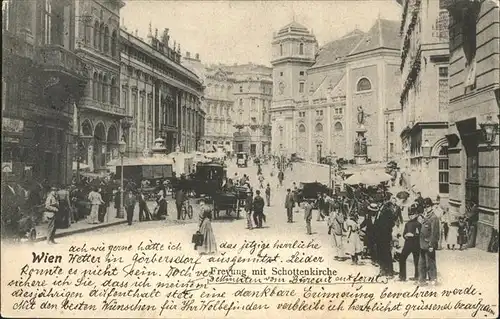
x=59, y=61
x=91, y=104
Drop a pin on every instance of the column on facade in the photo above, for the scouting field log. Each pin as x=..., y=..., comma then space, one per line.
x=328, y=123
x=177, y=116
x=160, y=99
x=310, y=132
x=146, y=117
x=130, y=113
x=153, y=86
x=136, y=115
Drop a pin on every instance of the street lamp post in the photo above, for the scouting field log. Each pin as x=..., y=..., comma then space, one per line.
x=122, y=147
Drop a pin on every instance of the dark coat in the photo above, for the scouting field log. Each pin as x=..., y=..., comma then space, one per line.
x=258, y=204
x=430, y=232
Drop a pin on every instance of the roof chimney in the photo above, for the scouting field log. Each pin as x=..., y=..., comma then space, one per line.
x=188, y=54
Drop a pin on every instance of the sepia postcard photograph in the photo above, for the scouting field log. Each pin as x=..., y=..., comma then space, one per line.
x=250, y=159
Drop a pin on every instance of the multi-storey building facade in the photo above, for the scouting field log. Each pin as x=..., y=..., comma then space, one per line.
x=339, y=99
x=42, y=80
x=474, y=101
x=253, y=91
x=160, y=96
x=237, y=102
x=218, y=104
x=424, y=96
x=99, y=113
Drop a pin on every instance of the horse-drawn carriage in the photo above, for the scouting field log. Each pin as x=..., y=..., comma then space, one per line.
x=208, y=181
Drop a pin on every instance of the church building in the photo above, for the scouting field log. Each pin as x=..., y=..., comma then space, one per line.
x=340, y=99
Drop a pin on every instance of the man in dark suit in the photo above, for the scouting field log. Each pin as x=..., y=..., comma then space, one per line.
x=370, y=232
x=179, y=201
x=384, y=222
x=258, y=209
x=411, y=235
x=289, y=202
x=429, y=239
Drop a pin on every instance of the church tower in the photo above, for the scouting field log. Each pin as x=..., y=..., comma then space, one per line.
x=294, y=49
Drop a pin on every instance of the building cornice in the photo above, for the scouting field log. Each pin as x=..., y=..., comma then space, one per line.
x=128, y=38
x=153, y=72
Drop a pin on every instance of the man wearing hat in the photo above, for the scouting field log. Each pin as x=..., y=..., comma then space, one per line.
x=289, y=203
x=51, y=209
x=384, y=222
x=429, y=240
x=411, y=235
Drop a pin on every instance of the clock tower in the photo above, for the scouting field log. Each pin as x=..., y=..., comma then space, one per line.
x=294, y=49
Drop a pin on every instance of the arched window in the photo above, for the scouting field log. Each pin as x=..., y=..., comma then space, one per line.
x=100, y=88
x=319, y=127
x=113, y=44
x=88, y=33
x=338, y=127
x=101, y=35
x=364, y=85
x=281, y=49
x=114, y=91
x=106, y=39
x=96, y=35
x=95, y=86
x=302, y=128
x=105, y=89
x=443, y=170
x=241, y=102
x=301, y=48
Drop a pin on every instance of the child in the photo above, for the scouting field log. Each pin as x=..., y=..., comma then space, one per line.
x=462, y=232
x=355, y=247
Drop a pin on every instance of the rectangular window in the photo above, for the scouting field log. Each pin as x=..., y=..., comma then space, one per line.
x=253, y=103
x=134, y=101
x=391, y=148
x=143, y=109
x=443, y=89
x=150, y=109
x=281, y=73
x=301, y=73
x=301, y=87
x=391, y=126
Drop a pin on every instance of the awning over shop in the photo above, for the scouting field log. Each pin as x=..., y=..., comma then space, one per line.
x=138, y=161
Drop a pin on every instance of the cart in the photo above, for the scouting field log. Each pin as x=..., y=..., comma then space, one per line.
x=225, y=202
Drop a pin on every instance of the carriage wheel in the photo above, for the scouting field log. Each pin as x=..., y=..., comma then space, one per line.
x=190, y=212
x=216, y=211
x=184, y=212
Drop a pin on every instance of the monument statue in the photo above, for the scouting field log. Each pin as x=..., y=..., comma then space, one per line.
x=361, y=115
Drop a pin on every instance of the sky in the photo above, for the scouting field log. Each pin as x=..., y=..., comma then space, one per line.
x=241, y=31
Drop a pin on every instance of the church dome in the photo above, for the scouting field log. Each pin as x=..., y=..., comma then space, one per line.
x=293, y=27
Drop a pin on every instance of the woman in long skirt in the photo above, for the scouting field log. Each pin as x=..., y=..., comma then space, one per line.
x=209, y=245
x=354, y=244
x=95, y=200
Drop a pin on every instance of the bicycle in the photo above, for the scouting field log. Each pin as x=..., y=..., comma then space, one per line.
x=187, y=210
